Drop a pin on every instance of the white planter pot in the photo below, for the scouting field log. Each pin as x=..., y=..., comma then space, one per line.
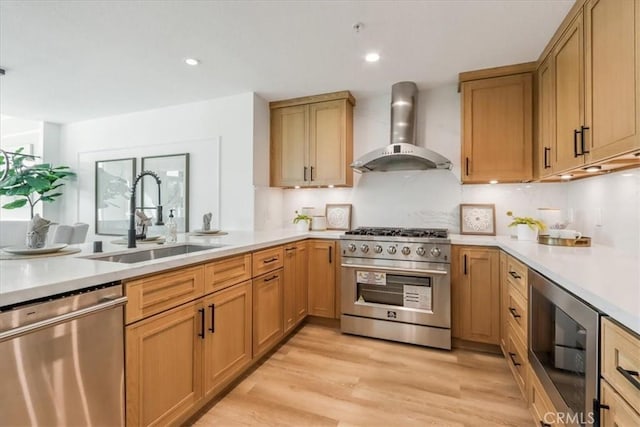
x=302, y=226
x=527, y=233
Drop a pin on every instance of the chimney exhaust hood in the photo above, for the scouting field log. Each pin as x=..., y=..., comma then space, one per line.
x=402, y=153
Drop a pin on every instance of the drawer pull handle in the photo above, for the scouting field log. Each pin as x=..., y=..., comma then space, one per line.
x=543, y=424
x=212, y=329
x=201, y=334
x=267, y=261
x=271, y=278
x=514, y=313
x=512, y=356
x=515, y=275
x=629, y=375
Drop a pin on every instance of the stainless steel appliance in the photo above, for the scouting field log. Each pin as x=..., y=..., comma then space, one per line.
x=396, y=285
x=62, y=360
x=563, y=349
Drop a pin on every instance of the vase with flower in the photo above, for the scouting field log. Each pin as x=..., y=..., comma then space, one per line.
x=527, y=228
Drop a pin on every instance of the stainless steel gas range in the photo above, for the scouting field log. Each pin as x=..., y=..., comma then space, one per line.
x=396, y=285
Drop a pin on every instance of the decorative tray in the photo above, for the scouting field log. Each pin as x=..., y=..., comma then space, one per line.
x=582, y=242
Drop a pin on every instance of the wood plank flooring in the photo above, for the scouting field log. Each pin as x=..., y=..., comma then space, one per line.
x=321, y=377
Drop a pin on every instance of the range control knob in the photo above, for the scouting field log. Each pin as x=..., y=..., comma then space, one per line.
x=377, y=249
x=351, y=247
x=435, y=252
x=364, y=248
x=391, y=250
x=406, y=250
x=420, y=251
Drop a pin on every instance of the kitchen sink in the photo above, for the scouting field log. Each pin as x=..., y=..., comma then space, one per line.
x=155, y=253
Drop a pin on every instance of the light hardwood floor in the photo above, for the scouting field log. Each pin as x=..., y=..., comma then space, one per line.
x=321, y=377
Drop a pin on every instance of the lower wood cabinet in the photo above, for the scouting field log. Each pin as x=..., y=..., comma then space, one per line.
x=267, y=312
x=475, y=286
x=295, y=273
x=228, y=343
x=322, y=278
x=543, y=411
x=615, y=410
x=164, y=366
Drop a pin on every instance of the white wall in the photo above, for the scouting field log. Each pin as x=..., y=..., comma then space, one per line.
x=432, y=198
x=229, y=120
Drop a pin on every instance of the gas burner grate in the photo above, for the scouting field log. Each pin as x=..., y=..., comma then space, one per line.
x=440, y=233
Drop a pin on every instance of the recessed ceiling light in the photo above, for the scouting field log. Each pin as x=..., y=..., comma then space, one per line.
x=566, y=176
x=593, y=169
x=191, y=61
x=493, y=181
x=372, y=57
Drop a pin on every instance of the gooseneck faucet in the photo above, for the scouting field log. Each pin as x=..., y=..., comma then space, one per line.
x=131, y=237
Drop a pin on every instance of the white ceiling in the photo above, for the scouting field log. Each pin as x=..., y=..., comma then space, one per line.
x=74, y=60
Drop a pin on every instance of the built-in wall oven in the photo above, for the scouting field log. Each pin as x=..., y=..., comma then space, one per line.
x=563, y=351
x=396, y=285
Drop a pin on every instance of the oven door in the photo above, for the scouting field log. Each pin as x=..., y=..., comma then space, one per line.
x=415, y=293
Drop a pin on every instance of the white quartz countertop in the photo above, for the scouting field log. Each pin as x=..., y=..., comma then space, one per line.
x=606, y=278
x=24, y=280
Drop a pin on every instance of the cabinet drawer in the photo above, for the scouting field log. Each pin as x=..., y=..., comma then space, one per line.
x=267, y=260
x=621, y=361
x=226, y=272
x=153, y=294
x=619, y=412
x=539, y=403
x=516, y=313
x=517, y=275
x=517, y=360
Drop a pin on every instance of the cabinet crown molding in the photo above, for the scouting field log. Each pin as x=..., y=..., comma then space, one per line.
x=333, y=96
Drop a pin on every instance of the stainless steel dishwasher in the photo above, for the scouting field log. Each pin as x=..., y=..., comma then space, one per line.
x=62, y=360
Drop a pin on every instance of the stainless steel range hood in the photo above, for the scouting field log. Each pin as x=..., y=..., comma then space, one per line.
x=402, y=153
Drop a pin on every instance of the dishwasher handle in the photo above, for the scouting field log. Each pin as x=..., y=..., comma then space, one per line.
x=46, y=323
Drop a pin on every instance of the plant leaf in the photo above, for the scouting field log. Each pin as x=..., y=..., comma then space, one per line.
x=39, y=183
x=15, y=204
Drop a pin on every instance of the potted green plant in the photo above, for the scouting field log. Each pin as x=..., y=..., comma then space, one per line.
x=302, y=221
x=527, y=227
x=31, y=184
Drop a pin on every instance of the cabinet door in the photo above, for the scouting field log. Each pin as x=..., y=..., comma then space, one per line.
x=479, y=295
x=164, y=366
x=227, y=347
x=569, y=97
x=618, y=413
x=613, y=77
x=329, y=143
x=267, y=312
x=302, y=280
x=322, y=278
x=289, y=146
x=504, y=302
x=497, y=129
x=289, y=278
x=546, y=119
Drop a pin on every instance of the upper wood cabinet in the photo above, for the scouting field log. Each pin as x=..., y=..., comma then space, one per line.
x=497, y=125
x=476, y=294
x=588, y=108
x=322, y=278
x=312, y=141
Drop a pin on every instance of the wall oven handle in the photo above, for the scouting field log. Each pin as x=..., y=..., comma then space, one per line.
x=629, y=375
x=374, y=267
x=514, y=313
x=512, y=356
x=22, y=330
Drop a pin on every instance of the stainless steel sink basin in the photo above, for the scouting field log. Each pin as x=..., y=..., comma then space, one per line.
x=155, y=253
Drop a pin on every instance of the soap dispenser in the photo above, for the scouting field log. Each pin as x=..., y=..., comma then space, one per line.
x=172, y=229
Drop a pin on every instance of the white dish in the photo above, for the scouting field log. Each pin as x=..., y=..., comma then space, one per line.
x=205, y=231
x=23, y=250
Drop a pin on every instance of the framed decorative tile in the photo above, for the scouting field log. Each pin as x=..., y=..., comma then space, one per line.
x=338, y=216
x=478, y=219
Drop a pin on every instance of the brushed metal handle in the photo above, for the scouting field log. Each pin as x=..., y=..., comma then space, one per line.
x=629, y=375
x=512, y=356
x=380, y=268
x=514, y=313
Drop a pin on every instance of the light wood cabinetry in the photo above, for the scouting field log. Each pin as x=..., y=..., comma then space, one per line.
x=620, y=385
x=302, y=280
x=322, y=278
x=295, y=274
x=228, y=343
x=223, y=273
x=540, y=404
x=267, y=311
x=497, y=127
x=476, y=294
x=592, y=69
x=164, y=366
x=154, y=294
x=267, y=260
x=312, y=141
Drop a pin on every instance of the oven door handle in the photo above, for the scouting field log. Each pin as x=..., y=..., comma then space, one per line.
x=373, y=267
